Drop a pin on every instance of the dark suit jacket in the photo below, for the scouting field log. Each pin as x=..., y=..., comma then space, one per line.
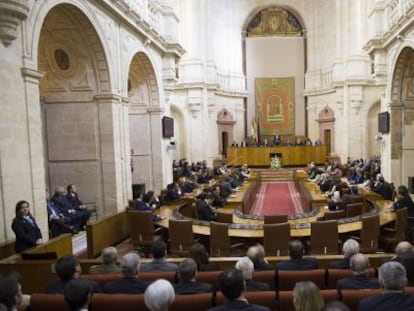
x=252, y=286
x=126, y=285
x=231, y=305
x=57, y=287
x=204, y=211
x=388, y=302
x=298, y=264
x=190, y=287
x=356, y=282
x=26, y=233
x=339, y=264
x=262, y=266
x=158, y=265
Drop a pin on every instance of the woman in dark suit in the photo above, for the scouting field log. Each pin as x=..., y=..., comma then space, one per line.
x=25, y=228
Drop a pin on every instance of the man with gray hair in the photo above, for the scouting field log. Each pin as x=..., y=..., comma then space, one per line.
x=245, y=265
x=187, y=271
x=109, y=257
x=350, y=248
x=360, y=278
x=129, y=283
x=256, y=254
x=393, y=279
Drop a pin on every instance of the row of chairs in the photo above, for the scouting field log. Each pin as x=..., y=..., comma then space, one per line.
x=281, y=301
x=277, y=280
x=324, y=238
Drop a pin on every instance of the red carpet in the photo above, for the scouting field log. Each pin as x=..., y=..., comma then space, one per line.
x=277, y=198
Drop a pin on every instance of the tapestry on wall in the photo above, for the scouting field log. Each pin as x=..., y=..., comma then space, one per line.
x=275, y=105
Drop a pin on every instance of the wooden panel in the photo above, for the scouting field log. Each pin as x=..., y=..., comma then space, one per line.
x=97, y=232
x=7, y=249
x=260, y=156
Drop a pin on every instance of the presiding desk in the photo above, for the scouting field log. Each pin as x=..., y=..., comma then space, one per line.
x=290, y=155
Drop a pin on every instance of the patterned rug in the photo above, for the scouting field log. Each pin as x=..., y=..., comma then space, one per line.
x=277, y=198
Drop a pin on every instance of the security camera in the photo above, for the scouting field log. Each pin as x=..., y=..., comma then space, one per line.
x=172, y=143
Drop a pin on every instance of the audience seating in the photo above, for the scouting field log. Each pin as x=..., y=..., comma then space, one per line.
x=276, y=246
x=220, y=244
x=102, y=279
x=333, y=275
x=275, y=219
x=324, y=237
x=141, y=228
x=286, y=280
x=191, y=302
x=121, y=302
x=268, y=277
x=153, y=276
x=351, y=297
x=263, y=298
x=285, y=298
x=390, y=237
x=48, y=302
x=210, y=277
x=181, y=236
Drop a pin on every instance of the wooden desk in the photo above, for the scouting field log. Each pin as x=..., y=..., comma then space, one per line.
x=290, y=156
x=254, y=225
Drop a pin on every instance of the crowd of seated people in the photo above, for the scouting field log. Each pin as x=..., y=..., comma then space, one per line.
x=276, y=141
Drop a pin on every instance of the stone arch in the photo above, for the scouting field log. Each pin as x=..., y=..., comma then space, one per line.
x=225, y=129
x=78, y=109
x=326, y=121
x=145, y=116
x=401, y=95
x=86, y=20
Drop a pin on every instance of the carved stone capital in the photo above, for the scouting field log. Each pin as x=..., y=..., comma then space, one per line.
x=12, y=12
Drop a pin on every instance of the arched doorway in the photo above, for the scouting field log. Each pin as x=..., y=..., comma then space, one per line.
x=144, y=124
x=399, y=148
x=79, y=144
x=225, y=125
x=326, y=122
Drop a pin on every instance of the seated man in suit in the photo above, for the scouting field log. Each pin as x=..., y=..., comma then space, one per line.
x=204, y=210
x=187, y=271
x=68, y=268
x=232, y=286
x=65, y=207
x=77, y=204
x=129, y=283
x=350, y=248
x=297, y=262
x=402, y=250
x=359, y=279
x=158, y=263
x=257, y=255
x=393, y=279
x=245, y=265
x=108, y=266
x=58, y=223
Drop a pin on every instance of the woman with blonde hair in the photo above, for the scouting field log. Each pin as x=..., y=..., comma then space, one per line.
x=306, y=297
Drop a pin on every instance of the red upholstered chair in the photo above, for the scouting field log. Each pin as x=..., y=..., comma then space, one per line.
x=48, y=302
x=285, y=298
x=333, y=275
x=152, y=276
x=102, y=279
x=191, y=302
x=268, y=277
x=110, y=302
x=210, y=277
x=351, y=297
x=263, y=298
x=286, y=280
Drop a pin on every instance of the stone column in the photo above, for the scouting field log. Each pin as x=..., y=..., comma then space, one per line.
x=113, y=148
